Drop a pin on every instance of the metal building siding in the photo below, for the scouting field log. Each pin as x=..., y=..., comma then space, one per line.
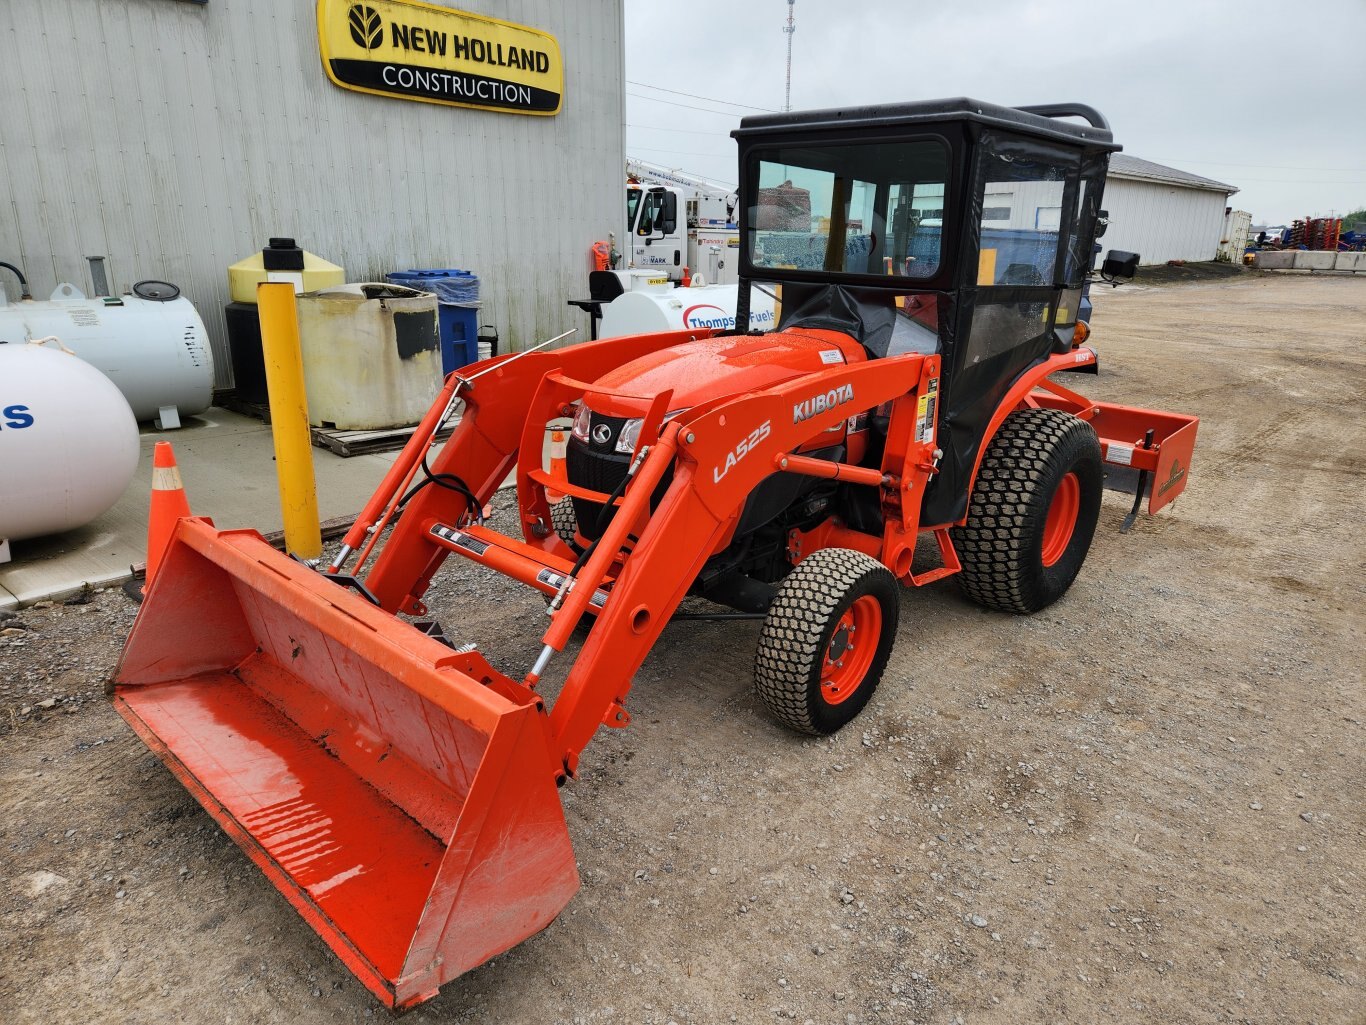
x=176, y=138
x=1163, y=222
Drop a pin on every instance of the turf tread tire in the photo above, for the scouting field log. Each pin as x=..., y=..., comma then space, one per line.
x=797, y=632
x=1000, y=545
x=565, y=522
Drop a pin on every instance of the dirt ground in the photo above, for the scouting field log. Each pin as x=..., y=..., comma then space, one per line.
x=1143, y=804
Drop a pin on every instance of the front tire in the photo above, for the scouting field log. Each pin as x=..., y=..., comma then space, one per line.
x=826, y=640
x=565, y=523
x=1032, y=512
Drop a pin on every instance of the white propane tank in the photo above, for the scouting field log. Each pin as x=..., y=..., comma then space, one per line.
x=68, y=442
x=150, y=343
x=674, y=309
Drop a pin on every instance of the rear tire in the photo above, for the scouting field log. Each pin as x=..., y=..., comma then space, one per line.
x=826, y=640
x=1032, y=512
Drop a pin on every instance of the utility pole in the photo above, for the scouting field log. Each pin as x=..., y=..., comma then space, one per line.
x=789, y=28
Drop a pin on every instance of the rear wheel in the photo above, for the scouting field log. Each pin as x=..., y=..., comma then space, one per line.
x=826, y=640
x=1032, y=513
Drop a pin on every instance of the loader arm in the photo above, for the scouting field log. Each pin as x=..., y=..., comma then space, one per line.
x=482, y=451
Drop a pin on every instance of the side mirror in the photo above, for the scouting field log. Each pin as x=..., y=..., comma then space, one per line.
x=1119, y=264
x=1102, y=222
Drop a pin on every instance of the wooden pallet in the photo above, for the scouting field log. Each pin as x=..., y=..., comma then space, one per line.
x=235, y=404
x=359, y=443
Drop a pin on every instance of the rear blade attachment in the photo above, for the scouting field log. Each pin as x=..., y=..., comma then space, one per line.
x=399, y=794
x=1147, y=452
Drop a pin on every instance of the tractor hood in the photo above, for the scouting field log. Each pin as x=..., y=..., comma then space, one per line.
x=712, y=368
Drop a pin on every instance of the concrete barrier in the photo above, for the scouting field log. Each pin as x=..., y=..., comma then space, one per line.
x=1276, y=260
x=1292, y=259
x=1309, y=260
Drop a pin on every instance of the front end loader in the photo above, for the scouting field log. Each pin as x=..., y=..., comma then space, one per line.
x=930, y=261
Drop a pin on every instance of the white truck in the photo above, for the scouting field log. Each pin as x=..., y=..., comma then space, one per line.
x=676, y=220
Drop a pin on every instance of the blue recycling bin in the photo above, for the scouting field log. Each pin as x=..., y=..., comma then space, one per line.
x=457, y=293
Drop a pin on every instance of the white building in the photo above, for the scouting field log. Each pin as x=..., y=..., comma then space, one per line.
x=1162, y=213
x=176, y=138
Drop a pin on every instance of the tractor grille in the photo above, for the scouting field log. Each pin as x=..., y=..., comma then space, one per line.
x=598, y=466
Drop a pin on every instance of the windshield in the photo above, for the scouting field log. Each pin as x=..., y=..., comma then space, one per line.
x=873, y=208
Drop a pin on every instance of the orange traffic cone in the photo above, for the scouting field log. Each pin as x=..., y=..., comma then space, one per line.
x=558, y=447
x=169, y=504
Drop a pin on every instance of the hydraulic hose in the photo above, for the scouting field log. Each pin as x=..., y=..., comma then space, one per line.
x=23, y=281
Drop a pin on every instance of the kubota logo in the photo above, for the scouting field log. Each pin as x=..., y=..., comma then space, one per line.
x=808, y=408
x=1174, y=478
x=366, y=27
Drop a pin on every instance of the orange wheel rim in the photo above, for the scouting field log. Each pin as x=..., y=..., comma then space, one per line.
x=851, y=649
x=1061, y=521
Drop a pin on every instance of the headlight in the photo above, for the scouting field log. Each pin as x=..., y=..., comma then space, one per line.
x=582, y=418
x=630, y=434
x=630, y=431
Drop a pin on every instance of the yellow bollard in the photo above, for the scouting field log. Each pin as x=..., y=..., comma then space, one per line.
x=289, y=418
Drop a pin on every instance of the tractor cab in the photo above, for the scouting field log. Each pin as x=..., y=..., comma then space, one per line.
x=953, y=227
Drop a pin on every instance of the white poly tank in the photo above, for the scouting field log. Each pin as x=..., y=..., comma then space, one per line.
x=371, y=354
x=68, y=442
x=154, y=349
x=648, y=312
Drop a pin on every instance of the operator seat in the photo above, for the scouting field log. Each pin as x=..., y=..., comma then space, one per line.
x=884, y=323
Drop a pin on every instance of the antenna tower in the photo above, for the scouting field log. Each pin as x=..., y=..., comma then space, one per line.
x=789, y=28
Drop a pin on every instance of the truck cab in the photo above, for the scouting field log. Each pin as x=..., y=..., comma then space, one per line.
x=658, y=234
x=675, y=220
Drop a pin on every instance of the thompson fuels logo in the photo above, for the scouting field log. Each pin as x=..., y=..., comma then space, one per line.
x=366, y=27
x=418, y=51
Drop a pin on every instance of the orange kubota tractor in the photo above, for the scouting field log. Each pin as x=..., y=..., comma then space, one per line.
x=401, y=791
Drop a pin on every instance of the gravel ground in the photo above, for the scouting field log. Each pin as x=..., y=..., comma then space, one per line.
x=1143, y=803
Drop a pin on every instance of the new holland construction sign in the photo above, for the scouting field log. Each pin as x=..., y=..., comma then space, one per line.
x=418, y=51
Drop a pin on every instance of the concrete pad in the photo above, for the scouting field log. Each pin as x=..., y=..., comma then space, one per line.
x=227, y=463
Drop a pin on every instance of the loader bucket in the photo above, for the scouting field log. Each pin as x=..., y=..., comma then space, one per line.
x=406, y=807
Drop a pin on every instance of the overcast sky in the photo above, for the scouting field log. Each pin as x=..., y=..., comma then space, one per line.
x=1267, y=96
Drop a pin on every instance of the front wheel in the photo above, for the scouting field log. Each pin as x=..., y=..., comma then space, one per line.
x=826, y=640
x=1032, y=512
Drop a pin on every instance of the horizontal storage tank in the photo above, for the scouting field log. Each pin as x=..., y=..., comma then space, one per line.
x=642, y=312
x=150, y=343
x=372, y=355
x=68, y=442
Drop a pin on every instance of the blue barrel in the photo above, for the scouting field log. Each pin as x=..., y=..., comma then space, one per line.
x=457, y=293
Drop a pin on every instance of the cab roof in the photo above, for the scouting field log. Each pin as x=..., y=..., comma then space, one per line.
x=1042, y=121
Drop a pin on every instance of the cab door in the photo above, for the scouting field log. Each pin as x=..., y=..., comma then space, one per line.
x=657, y=241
